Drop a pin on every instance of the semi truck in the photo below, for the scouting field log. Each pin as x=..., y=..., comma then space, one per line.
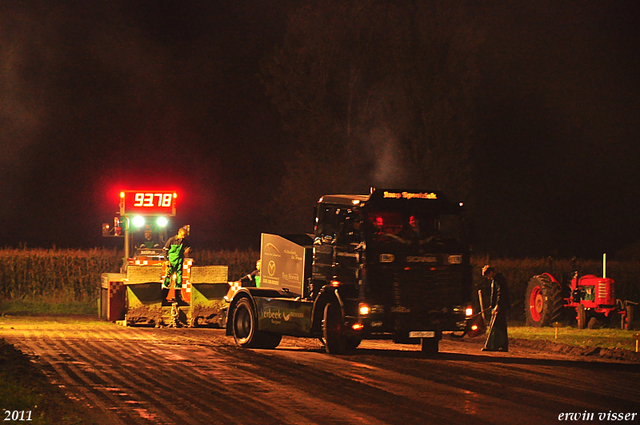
x=391, y=264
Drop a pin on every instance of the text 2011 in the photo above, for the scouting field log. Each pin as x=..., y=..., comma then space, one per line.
x=17, y=415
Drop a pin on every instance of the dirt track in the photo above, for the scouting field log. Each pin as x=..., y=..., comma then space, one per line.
x=198, y=376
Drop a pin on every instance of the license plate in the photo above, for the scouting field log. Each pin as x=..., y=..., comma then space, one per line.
x=422, y=334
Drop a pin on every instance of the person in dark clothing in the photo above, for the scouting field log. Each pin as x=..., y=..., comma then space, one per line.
x=497, y=339
x=175, y=250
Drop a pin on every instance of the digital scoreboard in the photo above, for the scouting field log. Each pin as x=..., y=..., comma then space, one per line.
x=148, y=202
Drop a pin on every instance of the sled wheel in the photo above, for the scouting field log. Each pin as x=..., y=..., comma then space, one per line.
x=543, y=301
x=582, y=317
x=333, y=329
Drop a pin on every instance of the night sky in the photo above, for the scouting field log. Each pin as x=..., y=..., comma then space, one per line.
x=101, y=96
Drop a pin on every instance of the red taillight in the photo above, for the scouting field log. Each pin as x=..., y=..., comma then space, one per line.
x=335, y=283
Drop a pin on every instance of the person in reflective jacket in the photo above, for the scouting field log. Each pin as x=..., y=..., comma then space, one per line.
x=497, y=339
x=175, y=250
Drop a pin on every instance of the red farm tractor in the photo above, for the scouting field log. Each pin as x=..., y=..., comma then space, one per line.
x=592, y=298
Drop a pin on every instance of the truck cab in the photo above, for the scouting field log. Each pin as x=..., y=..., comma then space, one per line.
x=401, y=260
x=391, y=264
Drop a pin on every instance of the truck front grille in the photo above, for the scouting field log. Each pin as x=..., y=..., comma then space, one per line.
x=429, y=289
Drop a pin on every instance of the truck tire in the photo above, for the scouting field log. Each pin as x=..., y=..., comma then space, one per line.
x=353, y=342
x=335, y=341
x=244, y=324
x=269, y=340
x=543, y=301
x=245, y=328
x=429, y=346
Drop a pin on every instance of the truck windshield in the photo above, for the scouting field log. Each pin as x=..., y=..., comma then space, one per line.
x=419, y=228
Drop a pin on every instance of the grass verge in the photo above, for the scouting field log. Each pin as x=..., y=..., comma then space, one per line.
x=47, y=307
x=26, y=393
x=601, y=338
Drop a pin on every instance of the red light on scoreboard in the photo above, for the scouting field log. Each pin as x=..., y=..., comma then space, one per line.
x=148, y=202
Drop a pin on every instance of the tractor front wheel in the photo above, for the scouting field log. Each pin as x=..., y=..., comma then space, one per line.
x=543, y=301
x=581, y=317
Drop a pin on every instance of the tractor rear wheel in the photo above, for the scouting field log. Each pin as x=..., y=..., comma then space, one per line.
x=543, y=301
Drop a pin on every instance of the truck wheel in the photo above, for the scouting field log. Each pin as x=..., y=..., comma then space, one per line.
x=244, y=324
x=429, y=346
x=245, y=328
x=269, y=340
x=353, y=342
x=332, y=329
x=581, y=317
x=543, y=301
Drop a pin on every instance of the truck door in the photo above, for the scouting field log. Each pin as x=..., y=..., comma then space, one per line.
x=347, y=248
x=327, y=225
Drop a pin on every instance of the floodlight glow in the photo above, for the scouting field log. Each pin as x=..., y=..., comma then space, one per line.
x=162, y=221
x=138, y=221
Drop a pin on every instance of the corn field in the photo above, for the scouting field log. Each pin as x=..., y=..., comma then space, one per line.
x=58, y=276
x=53, y=274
